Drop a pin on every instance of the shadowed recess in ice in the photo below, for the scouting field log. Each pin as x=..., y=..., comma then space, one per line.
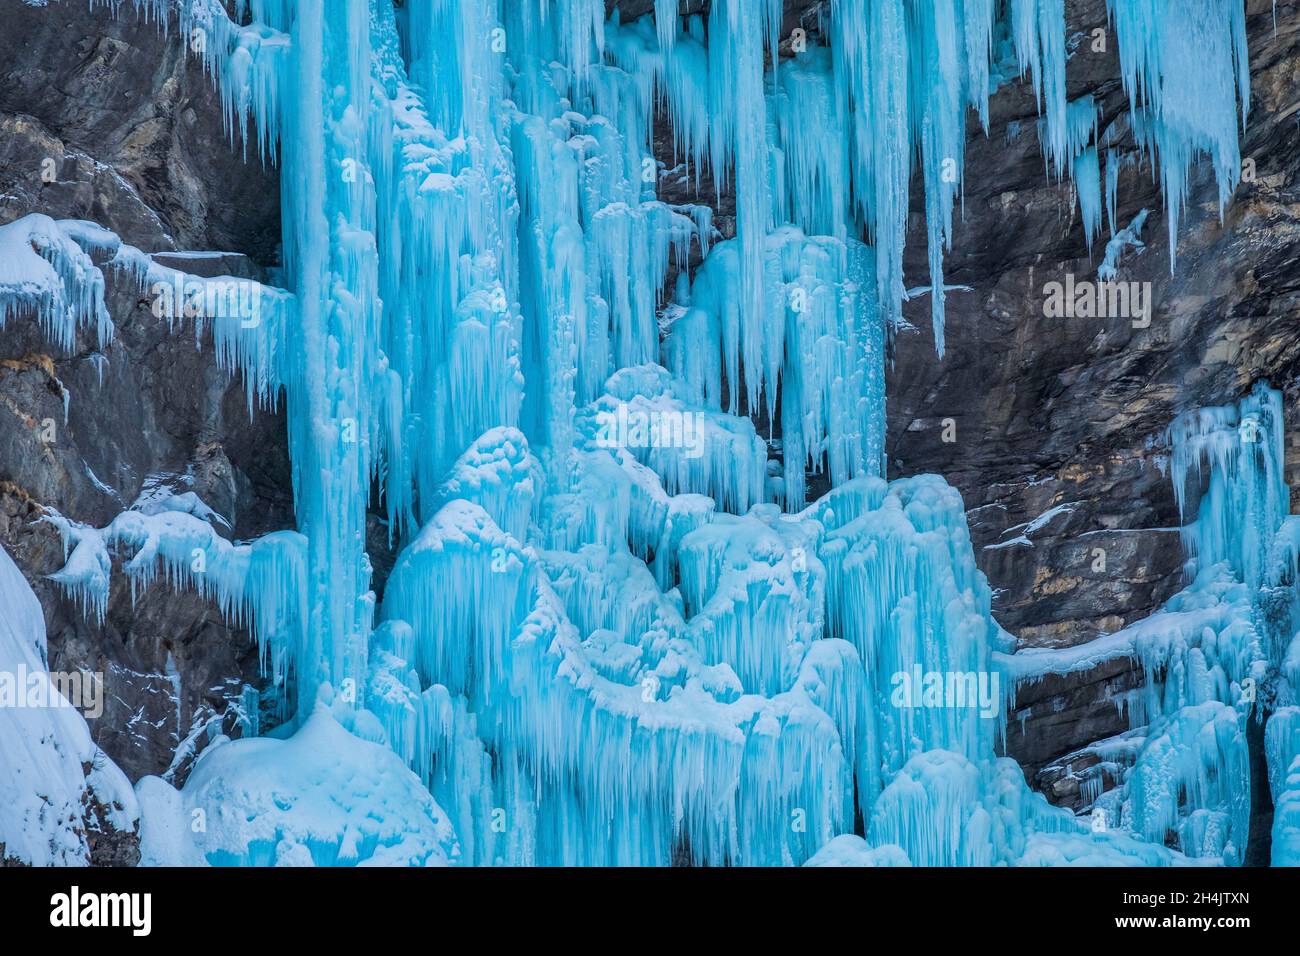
x=616, y=631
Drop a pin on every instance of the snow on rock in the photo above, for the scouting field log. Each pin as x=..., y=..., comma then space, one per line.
x=50, y=769
x=258, y=583
x=46, y=274
x=52, y=271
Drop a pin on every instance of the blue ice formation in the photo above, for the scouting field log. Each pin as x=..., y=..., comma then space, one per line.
x=616, y=630
x=47, y=275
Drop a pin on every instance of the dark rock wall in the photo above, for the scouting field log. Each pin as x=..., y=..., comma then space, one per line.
x=135, y=128
x=1071, y=412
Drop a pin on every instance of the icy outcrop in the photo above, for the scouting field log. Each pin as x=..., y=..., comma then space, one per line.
x=258, y=584
x=52, y=272
x=672, y=749
x=323, y=797
x=47, y=275
x=1216, y=655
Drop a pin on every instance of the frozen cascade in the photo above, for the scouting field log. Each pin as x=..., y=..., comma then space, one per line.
x=1228, y=460
x=595, y=650
x=1234, y=455
x=1282, y=738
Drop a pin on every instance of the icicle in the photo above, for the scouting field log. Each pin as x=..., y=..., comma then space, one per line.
x=47, y=274
x=1187, y=74
x=1234, y=453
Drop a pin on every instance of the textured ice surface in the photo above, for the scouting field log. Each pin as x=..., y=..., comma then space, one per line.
x=47, y=275
x=1215, y=651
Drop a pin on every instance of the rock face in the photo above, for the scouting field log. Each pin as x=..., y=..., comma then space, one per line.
x=1051, y=428
x=1069, y=413
x=163, y=416
x=133, y=130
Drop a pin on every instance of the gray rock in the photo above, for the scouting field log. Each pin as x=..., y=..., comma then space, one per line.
x=122, y=110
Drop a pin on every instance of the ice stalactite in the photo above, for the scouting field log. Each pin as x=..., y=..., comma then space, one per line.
x=1192, y=779
x=903, y=589
x=738, y=140
x=675, y=751
x=59, y=279
x=248, y=321
x=610, y=635
x=780, y=308
x=1228, y=461
x=824, y=342
x=1087, y=180
x=1282, y=738
x=1187, y=73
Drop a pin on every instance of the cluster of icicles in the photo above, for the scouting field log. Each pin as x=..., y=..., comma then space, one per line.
x=637, y=651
